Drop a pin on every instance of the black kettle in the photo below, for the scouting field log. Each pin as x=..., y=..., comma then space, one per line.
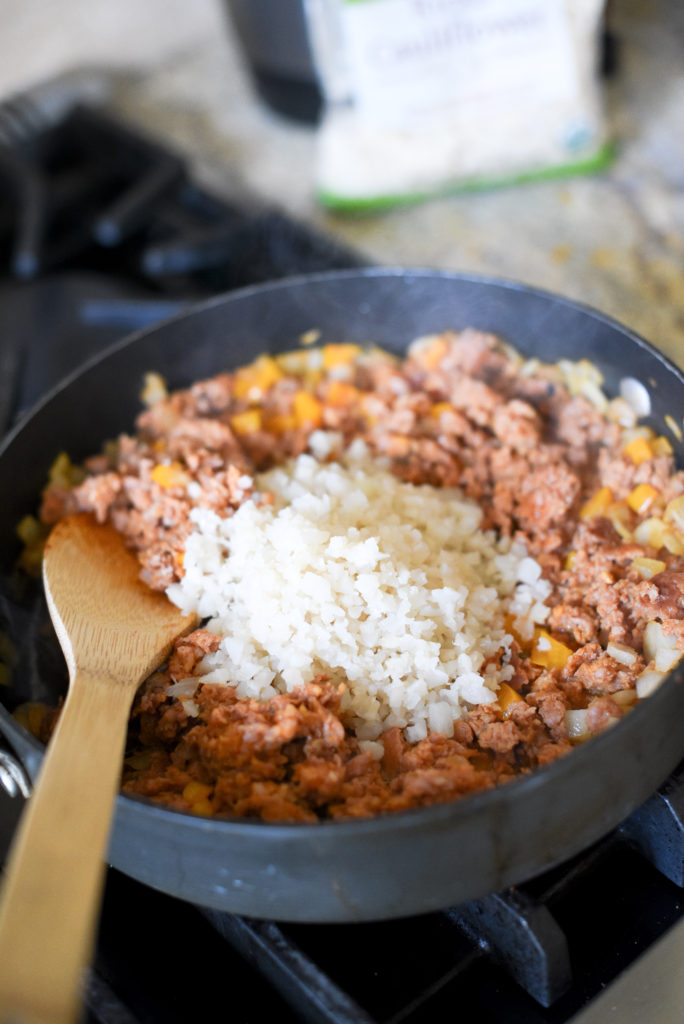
x=274, y=38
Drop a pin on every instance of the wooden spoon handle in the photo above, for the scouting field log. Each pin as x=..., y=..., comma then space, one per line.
x=51, y=893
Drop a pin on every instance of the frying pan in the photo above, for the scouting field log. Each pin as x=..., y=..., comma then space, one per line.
x=394, y=865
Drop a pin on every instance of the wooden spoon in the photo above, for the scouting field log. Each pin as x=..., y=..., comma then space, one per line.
x=114, y=632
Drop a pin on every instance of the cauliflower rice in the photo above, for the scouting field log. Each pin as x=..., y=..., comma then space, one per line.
x=389, y=588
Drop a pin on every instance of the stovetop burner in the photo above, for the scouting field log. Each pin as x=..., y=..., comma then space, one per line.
x=103, y=232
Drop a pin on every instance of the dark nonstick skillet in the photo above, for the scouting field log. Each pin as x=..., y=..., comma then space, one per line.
x=394, y=865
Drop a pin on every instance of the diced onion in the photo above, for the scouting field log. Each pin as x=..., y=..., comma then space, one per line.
x=660, y=648
x=154, y=389
x=576, y=724
x=674, y=513
x=674, y=426
x=624, y=698
x=636, y=395
x=622, y=653
x=647, y=683
x=183, y=688
x=651, y=532
x=648, y=567
x=375, y=749
x=674, y=541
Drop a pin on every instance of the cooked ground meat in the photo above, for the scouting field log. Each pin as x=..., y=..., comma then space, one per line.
x=599, y=505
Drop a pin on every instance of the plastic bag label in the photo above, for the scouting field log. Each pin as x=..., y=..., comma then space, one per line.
x=415, y=59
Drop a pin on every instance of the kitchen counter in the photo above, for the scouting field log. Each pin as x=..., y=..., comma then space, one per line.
x=613, y=240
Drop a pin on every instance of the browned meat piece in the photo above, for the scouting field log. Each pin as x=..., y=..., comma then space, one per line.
x=598, y=672
x=214, y=396
x=500, y=737
x=57, y=502
x=272, y=802
x=579, y=622
x=475, y=399
x=578, y=423
x=212, y=435
x=395, y=749
x=613, y=613
x=189, y=651
x=97, y=494
x=517, y=424
x=426, y=462
x=602, y=713
x=439, y=784
x=548, y=752
x=547, y=497
x=551, y=702
x=319, y=781
x=662, y=596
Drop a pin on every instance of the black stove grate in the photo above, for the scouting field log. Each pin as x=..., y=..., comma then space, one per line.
x=534, y=954
x=103, y=232
x=91, y=193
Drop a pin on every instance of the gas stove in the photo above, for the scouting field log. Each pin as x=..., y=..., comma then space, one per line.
x=102, y=232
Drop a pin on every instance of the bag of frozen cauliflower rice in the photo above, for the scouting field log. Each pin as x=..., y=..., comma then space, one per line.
x=425, y=96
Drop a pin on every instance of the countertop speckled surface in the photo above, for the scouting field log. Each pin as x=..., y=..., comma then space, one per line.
x=613, y=240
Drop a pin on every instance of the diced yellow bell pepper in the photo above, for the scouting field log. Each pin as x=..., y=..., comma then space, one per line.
x=30, y=530
x=621, y=518
x=429, y=351
x=202, y=807
x=337, y=355
x=507, y=697
x=169, y=474
x=258, y=377
x=598, y=504
x=246, y=422
x=547, y=652
x=641, y=498
x=661, y=446
x=439, y=407
x=638, y=450
x=197, y=794
x=63, y=473
x=307, y=410
x=196, y=791
x=281, y=423
x=340, y=394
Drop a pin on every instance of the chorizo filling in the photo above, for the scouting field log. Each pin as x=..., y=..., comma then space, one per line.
x=418, y=577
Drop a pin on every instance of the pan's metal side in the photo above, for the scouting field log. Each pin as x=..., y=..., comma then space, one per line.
x=393, y=865
x=406, y=863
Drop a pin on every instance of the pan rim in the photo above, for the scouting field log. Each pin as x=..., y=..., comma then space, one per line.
x=304, y=280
